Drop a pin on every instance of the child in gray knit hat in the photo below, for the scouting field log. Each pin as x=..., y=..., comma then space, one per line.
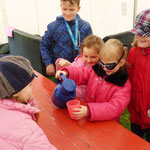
x=18, y=127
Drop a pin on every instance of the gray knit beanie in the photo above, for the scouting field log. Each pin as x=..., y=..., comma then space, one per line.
x=15, y=74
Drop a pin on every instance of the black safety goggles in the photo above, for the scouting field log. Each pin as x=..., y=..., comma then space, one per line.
x=110, y=66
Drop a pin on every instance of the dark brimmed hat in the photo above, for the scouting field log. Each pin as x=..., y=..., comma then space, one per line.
x=142, y=24
x=15, y=74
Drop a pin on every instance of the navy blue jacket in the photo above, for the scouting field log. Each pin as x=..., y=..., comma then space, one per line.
x=56, y=42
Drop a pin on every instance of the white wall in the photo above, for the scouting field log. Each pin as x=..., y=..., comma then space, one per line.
x=22, y=14
x=3, y=23
x=108, y=16
x=32, y=16
x=142, y=5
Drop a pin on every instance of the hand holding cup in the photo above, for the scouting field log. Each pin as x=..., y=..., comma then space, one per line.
x=71, y=105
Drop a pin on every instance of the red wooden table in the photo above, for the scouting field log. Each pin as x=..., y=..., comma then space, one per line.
x=68, y=134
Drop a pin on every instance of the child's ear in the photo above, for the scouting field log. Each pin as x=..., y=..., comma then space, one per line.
x=79, y=8
x=15, y=95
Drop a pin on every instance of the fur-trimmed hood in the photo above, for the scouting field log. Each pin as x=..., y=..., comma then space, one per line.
x=119, y=78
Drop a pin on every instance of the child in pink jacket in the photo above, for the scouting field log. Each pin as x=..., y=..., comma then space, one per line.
x=108, y=88
x=18, y=127
x=89, y=56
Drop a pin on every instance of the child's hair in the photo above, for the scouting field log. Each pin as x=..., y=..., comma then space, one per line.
x=113, y=49
x=72, y=1
x=92, y=41
x=135, y=42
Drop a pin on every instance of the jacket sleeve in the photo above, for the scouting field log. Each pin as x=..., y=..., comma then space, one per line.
x=130, y=66
x=89, y=30
x=128, y=59
x=46, y=45
x=58, y=67
x=78, y=61
x=85, y=30
x=38, y=141
x=79, y=75
x=112, y=109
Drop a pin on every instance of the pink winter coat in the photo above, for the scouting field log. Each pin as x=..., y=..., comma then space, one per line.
x=78, y=62
x=18, y=129
x=106, y=96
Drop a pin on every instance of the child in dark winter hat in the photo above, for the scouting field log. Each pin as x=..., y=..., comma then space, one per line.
x=16, y=73
x=139, y=75
x=19, y=129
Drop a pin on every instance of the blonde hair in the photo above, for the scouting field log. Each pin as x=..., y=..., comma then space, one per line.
x=92, y=41
x=72, y=2
x=135, y=42
x=113, y=50
x=18, y=99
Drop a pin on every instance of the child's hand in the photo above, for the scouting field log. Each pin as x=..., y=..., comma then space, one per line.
x=148, y=112
x=33, y=102
x=64, y=62
x=50, y=70
x=58, y=73
x=80, y=112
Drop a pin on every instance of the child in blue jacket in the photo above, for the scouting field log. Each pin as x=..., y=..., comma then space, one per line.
x=64, y=36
